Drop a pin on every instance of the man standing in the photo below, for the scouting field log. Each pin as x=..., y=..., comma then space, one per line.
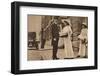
x=43, y=38
x=55, y=36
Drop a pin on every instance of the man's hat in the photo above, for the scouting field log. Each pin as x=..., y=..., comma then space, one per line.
x=56, y=17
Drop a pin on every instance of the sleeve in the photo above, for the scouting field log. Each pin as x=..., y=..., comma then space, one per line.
x=70, y=30
x=80, y=36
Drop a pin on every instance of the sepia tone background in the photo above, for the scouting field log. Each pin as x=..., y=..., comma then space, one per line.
x=35, y=23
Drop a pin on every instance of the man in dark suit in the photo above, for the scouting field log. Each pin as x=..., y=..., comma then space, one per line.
x=55, y=36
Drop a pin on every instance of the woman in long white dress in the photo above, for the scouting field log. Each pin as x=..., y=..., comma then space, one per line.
x=66, y=33
x=83, y=41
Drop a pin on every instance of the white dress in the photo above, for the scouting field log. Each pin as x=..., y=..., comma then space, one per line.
x=67, y=42
x=82, y=47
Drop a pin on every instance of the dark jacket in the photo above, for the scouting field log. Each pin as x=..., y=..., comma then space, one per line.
x=55, y=31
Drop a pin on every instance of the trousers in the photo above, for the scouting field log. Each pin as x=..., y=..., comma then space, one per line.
x=55, y=47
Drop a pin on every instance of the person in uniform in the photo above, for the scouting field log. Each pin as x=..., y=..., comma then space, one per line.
x=55, y=36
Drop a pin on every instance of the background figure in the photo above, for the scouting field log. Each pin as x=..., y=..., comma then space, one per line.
x=55, y=37
x=83, y=41
x=66, y=34
x=43, y=40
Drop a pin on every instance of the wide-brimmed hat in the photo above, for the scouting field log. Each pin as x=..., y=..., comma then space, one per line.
x=84, y=24
x=66, y=21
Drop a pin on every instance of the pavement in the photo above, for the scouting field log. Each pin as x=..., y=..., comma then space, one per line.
x=46, y=53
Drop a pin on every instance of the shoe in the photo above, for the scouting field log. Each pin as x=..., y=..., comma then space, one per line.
x=84, y=57
x=78, y=56
x=55, y=58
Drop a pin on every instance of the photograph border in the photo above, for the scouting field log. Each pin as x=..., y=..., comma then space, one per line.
x=15, y=37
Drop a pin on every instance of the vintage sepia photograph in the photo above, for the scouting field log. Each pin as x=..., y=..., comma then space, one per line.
x=53, y=37
x=57, y=37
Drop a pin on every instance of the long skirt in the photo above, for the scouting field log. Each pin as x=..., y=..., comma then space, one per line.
x=68, y=48
x=82, y=49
